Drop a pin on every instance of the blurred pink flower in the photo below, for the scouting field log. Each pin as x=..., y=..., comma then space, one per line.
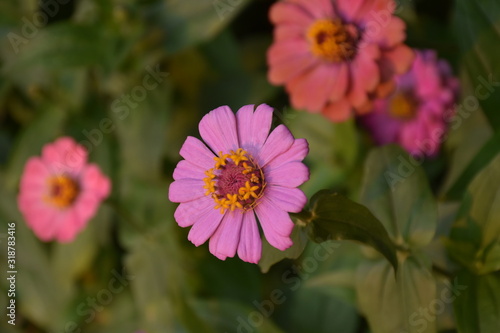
x=417, y=113
x=336, y=56
x=60, y=192
x=245, y=171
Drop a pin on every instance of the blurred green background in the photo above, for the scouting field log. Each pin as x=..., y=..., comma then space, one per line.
x=130, y=80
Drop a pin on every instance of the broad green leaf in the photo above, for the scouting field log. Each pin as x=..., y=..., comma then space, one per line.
x=44, y=128
x=396, y=190
x=335, y=217
x=62, y=45
x=271, y=255
x=477, y=302
x=475, y=236
x=188, y=22
x=467, y=156
x=397, y=304
x=477, y=26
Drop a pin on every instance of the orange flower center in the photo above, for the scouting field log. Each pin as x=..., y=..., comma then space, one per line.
x=402, y=106
x=236, y=181
x=62, y=192
x=333, y=40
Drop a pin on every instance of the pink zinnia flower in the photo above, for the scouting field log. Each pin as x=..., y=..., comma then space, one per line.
x=417, y=113
x=245, y=172
x=336, y=56
x=60, y=192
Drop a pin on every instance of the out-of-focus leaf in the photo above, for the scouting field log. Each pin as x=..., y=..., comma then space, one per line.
x=229, y=316
x=335, y=217
x=477, y=25
x=476, y=301
x=396, y=190
x=44, y=128
x=464, y=151
x=187, y=22
x=271, y=255
x=62, y=45
x=395, y=304
x=475, y=236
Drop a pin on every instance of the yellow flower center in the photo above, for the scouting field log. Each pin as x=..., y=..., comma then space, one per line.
x=235, y=181
x=62, y=192
x=402, y=106
x=332, y=40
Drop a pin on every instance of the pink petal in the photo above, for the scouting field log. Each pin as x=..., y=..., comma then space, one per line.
x=278, y=142
x=69, y=226
x=42, y=221
x=93, y=180
x=64, y=156
x=291, y=67
x=349, y=8
x=288, y=31
x=339, y=111
x=218, y=130
x=297, y=152
x=286, y=199
x=86, y=206
x=195, y=151
x=376, y=11
x=399, y=59
x=186, y=189
x=35, y=175
x=253, y=127
x=318, y=8
x=226, y=238
x=250, y=247
x=287, y=49
x=189, y=212
x=284, y=12
x=276, y=224
x=206, y=225
x=186, y=169
x=290, y=174
x=339, y=88
x=311, y=90
x=390, y=33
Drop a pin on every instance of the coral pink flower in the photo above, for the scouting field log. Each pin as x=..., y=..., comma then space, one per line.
x=336, y=56
x=417, y=113
x=245, y=172
x=60, y=192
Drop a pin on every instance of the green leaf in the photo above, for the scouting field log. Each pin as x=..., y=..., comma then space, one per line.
x=271, y=255
x=477, y=25
x=475, y=235
x=477, y=303
x=44, y=128
x=335, y=217
x=396, y=190
x=395, y=304
x=62, y=46
x=482, y=158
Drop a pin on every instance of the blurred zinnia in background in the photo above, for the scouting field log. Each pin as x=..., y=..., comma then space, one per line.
x=60, y=192
x=244, y=171
x=335, y=57
x=416, y=115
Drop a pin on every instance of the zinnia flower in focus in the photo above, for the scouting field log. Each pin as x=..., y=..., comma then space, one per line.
x=60, y=192
x=417, y=113
x=336, y=56
x=244, y=173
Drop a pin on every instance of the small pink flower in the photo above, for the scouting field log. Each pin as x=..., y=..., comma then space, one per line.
x=336, y=56
x=417, y=113
x=60, y=192
x=245, y=172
